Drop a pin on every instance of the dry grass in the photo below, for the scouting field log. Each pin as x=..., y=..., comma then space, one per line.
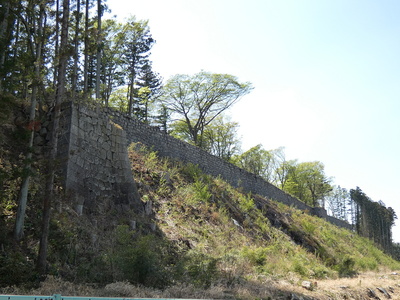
x=350, y=288
x=333, y=289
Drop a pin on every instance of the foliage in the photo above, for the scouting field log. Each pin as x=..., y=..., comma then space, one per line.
x=258, y=161
x=308, y=182
x=140, y=261
x=219, y=137
x=196, y=240
x=373, y=219
x=200, y=269
x=337, y=202
x=15, y=269
x=197, y=100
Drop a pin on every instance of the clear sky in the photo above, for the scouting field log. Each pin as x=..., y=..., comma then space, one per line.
x=326, y=76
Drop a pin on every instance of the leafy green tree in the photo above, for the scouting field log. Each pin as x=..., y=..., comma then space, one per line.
x=118, y=99
x=308, y=182
x=197, y=100
x=255, y=160
x=219, y=138
x=265, y=163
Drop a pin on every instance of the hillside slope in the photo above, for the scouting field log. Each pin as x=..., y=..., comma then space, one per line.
x=199, y=237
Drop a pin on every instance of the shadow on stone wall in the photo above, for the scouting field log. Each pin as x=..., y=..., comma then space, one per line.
x=96, y=150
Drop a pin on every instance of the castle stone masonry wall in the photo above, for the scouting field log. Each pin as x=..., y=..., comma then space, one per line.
x=100, y=142
x=97, y=170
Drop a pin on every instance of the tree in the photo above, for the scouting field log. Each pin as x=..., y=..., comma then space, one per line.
x=5, y=37
x=337, y=201
x=373, y=219
x=265, y=163
x=38, y=41
x=99, y=46
x=255, y=160
x=149, y=86
x=308, y=182
x=59, y=97
x=197, y=100
x=137, y=44
x=219, y=138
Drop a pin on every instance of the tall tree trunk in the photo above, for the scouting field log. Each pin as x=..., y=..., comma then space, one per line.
x=99, y=40
x=3, y=41
x=60, y=94
x=76, y=49
x=86, y=53
x=56, y=44
x=23, y=195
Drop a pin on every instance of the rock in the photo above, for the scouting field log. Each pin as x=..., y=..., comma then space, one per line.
x=132, y=224
x=372, y=294
x=383, y=291
x=308, y=285
x=38, y=141
x=43, y=131
x=293, y=296
x=153, y=226
x=148, y=208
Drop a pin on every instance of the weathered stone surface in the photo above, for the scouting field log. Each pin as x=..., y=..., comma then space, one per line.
x=92, y=172
x=308, y=285
x=100, y=138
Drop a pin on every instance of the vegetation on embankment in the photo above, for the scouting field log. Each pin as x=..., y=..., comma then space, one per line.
x=197, y=231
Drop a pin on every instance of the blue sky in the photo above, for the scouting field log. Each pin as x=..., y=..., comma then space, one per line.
x=326, y=76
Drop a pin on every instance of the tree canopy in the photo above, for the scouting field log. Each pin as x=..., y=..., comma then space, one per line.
x=197, y=100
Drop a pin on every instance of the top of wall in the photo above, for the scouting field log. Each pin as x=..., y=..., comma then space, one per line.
x=168, y=146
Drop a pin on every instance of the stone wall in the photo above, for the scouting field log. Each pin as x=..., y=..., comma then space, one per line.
x=98, y=163
x=169, y=146
x=96, y=172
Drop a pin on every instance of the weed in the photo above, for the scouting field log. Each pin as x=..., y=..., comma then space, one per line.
x=140, y=260
x=246, y=202
x=308, y=226
x=201, y=191
x=199, y=268
x=346, y=267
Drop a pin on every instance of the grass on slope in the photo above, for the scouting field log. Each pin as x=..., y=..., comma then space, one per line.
x=226, y=235
x=196, y=231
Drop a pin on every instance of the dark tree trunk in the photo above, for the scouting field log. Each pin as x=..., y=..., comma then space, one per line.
x=98, y=55
x=60, y=94
x=23, y=194
x=76, y=50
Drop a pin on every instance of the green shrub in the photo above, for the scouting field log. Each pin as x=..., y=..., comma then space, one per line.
x=201, y=192
x=199, y=269
x=308, y=226
x=140, y=261
x=15, y=269
x=246, y=202
x=192, y=171
x=367, y=263
x=346, y=267
x=257, y=256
